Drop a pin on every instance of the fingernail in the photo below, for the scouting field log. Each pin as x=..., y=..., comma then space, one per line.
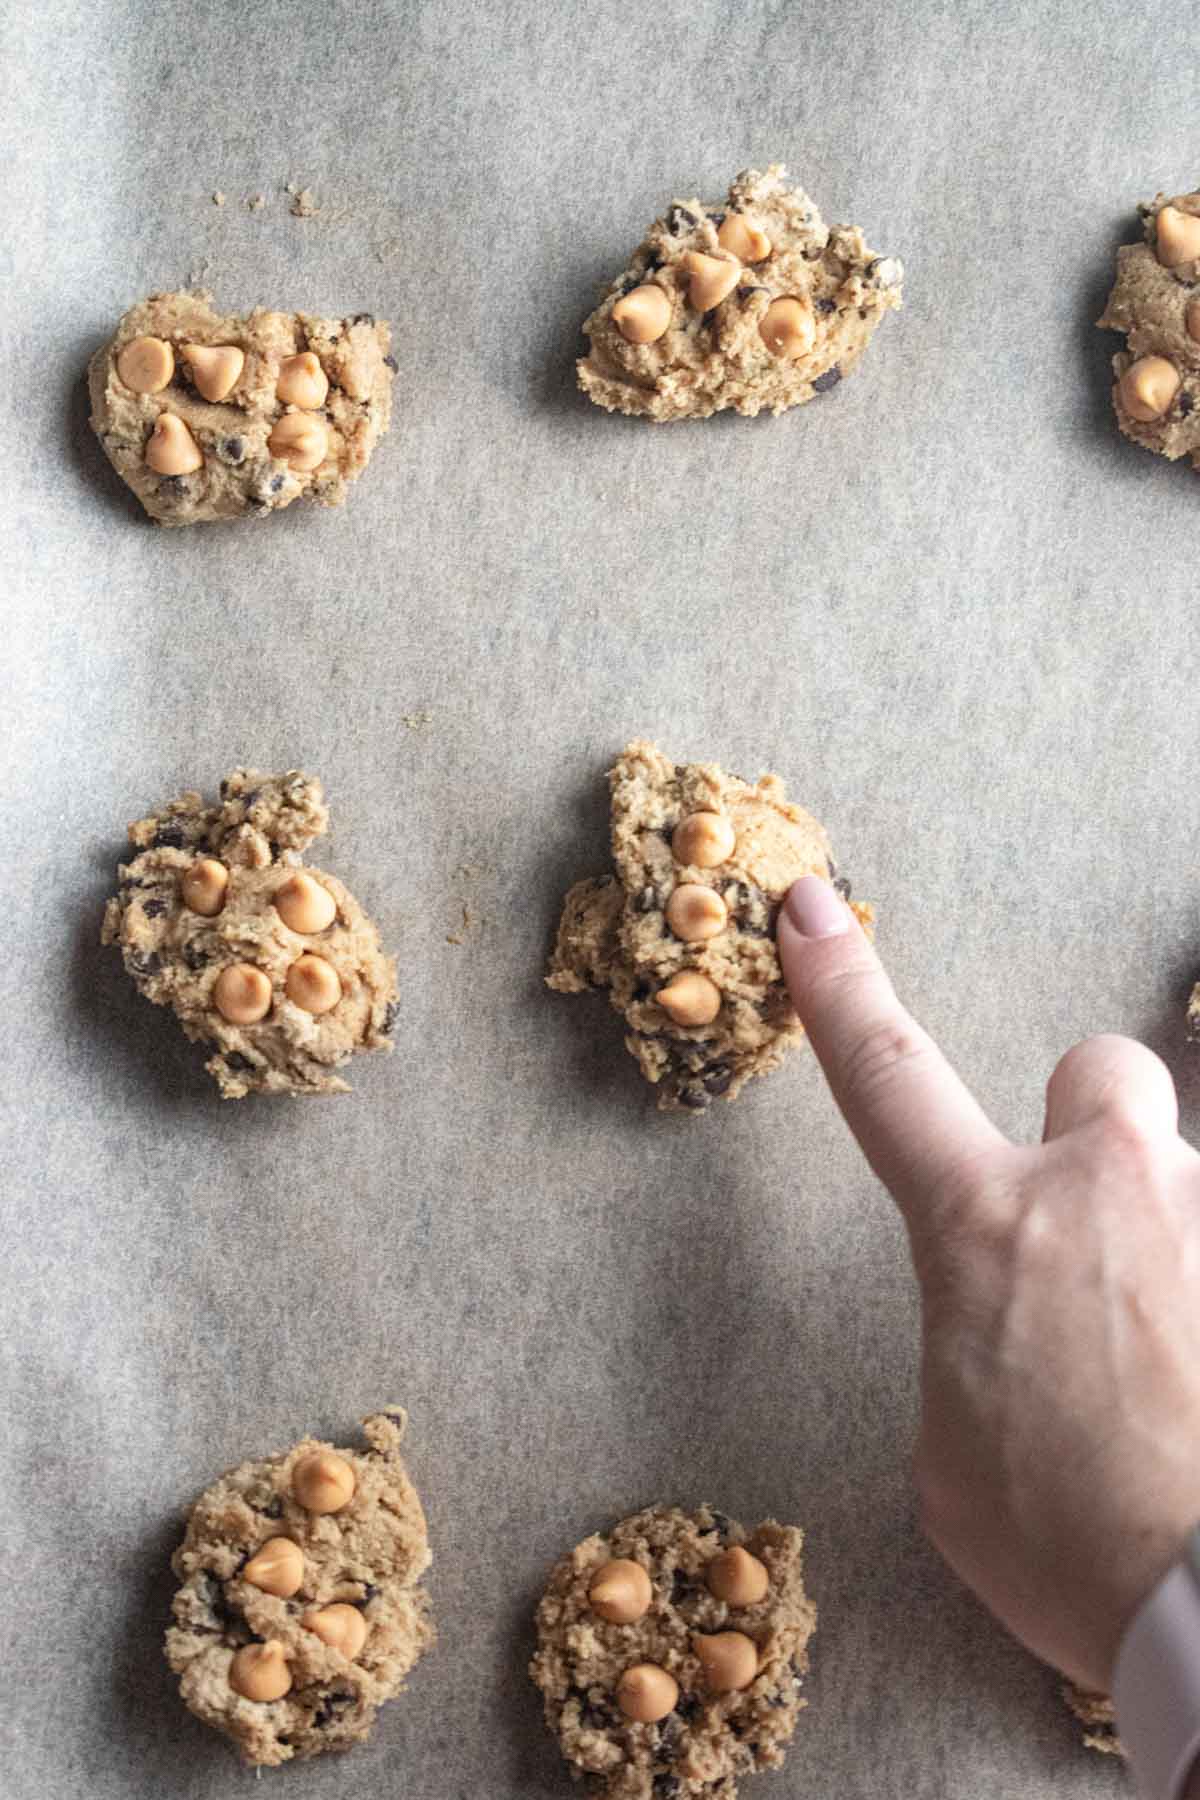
x=816, y=909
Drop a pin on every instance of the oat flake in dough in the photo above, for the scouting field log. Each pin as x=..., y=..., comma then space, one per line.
x=258, y=831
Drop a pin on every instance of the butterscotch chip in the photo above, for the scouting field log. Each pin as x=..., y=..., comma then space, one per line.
x=260, y=1672
x=215, y=368
x=211, y=886
x=729, y=1660
x=1148, y=387
x=621, y=1591
x=690, y=998
x=647, y=1693
x=242, y=994
x=703, y=840
x=203, y=887
x=643, y=315
x=301, y=441
x=323, y=1482
x=278, y=1568
x=597, y=1675
x=342, y=1627
x=359, y=1620
x=313, y=984
x=227, y=377
x=302, y=381
x=737, y=1577
x=733, y=261
x=1177, y=235
x=695, y=913
x=743, y=238
x=146, y=365
x=304, y=905
x=171, y=449
x=788, y=328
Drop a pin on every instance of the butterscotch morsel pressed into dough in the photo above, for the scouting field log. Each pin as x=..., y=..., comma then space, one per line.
x=260, y=1672
x=203, y=887
x=729, y=1660
x=146, y=365
x=302, y=381
x=242, y=994
x=323, y=1482
x=642, y=316
x=313, y=984
x=695, y=913
x=743, y=238
x=215, y=368
x=647, y=1693
x=1177, y=236
x=737, y=1577
x=1148, y=387
x=621, y=1591
x=300, y=441
x=342, y=1627
x=704, y=840
x=787, y=328
x=690, y=998
x=304, y=905
x=171, y=449
x=711, y=278
x=278, y=1568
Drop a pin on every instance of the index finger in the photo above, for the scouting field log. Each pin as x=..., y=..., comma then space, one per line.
x=914, y=1118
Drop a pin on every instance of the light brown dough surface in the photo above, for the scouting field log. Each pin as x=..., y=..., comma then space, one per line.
x=240, y=473
x=1149, y=304
x=709, y=1741
x=613, y=933
x=258, y=829
x=371, y=1555
x=710, y=361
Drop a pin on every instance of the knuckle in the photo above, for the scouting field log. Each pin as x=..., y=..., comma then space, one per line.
x=887, y=1048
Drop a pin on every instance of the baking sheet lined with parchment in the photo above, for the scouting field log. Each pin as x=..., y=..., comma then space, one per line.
x=946, y=601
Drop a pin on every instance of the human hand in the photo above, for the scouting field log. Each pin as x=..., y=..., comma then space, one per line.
x=1058, y=1458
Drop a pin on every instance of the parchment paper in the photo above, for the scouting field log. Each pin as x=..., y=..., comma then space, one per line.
x=948, y=602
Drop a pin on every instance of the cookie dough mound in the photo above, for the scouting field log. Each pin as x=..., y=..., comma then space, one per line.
x=682, y=934
x=752, y=303
x=208, y=416
x=1156, y=303
x=1097, y=1715
x=298, y=1612
x=274, y=963
x=638, y=1653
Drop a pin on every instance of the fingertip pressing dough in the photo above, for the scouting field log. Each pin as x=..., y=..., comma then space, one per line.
x=275, y=965
x=295, y=1621
x=752, y=303
x=686, y=949
x=210, y=416
x=1156, y=303
x=685, y=1690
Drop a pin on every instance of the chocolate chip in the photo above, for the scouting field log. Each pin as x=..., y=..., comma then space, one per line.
x=694, y=1098
x=642, y=991
x=683, y=1586
x=721, y=1523
x=825, y=306
x=329, y=1705
x=719, y=1080
x=168, y=837
x=1186, y=403
x=196, y=955
x=828, y=380
x=140, y=966
x=233, y=449
x=390, y=1016
x=173, y=486
x=666, y=1786
x=249, y=799
x=389, y=362
x=681, y=219
x=653, y=261
x=688, y=1707
x=236, y=1062
x=369, y=1592
x=363, y=319
x=718, y=218
x=274, y=1507
x=276, y=482
x=154, y=908
x=647, y=900
x=842, y=884
x=594, y=1715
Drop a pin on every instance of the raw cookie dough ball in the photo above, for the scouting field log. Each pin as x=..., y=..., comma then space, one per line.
x=752, y=302
x=692, y=1692
x=1156, y=303
x=294, y=1625
x=195, y=407
x=216, y=917
x=690, y=962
